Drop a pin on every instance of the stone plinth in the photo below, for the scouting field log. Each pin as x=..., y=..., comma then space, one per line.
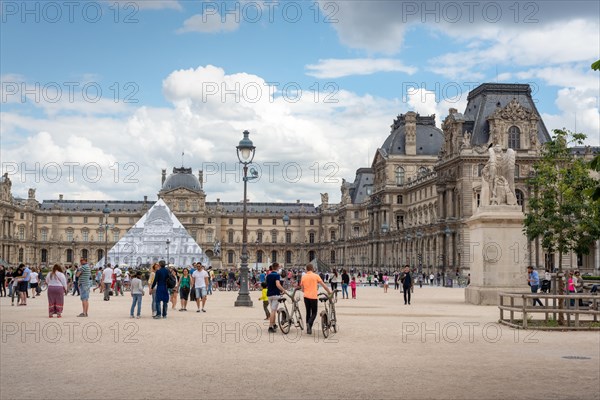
x=498, y=254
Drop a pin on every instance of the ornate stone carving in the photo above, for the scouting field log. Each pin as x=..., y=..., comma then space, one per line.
x=514, y=111
x=498, y=178
x=324, y=198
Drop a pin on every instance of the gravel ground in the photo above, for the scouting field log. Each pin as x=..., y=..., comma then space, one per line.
x=438, y=347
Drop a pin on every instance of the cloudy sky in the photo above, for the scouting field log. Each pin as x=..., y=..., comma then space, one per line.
x=98, y=97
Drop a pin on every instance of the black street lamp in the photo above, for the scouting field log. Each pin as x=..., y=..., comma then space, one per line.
x=245, y=154
x=168, y=248
x=105, y=226
x=286, y=223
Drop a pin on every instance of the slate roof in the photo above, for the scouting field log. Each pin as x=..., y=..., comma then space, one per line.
x=182, y=178
x=483, y=101
x=362, y=181
x=429, y=138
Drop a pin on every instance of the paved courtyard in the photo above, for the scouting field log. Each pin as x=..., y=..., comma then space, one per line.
x=438, y=347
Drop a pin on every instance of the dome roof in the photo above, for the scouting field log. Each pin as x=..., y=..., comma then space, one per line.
x=429, y=138
x=182, y=178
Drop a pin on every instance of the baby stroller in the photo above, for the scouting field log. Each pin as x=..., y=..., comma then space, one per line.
x=545, y=286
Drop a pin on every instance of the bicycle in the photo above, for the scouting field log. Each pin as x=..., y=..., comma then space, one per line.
x=287, y=318
x=328, y=316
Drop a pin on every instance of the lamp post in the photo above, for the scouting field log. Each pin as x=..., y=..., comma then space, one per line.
x=72, y=252
x=106, y=212
x=447, y=232
x=420, y=251
x=384, y=230
x=245, y=154
x=286, y=223
x=168, y=248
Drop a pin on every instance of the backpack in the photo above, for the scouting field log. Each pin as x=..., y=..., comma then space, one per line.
x=171, y=281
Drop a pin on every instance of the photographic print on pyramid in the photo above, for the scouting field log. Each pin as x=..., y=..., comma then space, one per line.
x=146, y=241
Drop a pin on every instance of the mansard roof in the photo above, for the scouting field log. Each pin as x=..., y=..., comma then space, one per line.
x=483, y=101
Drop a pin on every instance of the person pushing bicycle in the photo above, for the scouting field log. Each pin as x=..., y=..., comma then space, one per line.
x=310, y=284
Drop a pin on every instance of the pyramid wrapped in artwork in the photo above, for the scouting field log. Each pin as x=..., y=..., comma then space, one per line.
x=146, y=241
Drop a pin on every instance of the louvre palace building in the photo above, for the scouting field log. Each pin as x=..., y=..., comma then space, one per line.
x=408, y=207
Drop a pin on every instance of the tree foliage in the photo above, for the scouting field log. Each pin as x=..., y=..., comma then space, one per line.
x=561, y=213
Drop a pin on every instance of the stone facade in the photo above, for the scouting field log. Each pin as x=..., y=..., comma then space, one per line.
x=410, y=206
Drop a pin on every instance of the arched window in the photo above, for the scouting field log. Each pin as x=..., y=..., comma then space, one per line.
x=230, y=256
x=69, y=255
x=44, y=255
x=259, y=256
x=399, y=176
x=288, y=257
x=274, y=256
x=520, y=198
x=99, y=254
x=480, y=169
x=514, y=138
x=21, y=255
x=84, y=253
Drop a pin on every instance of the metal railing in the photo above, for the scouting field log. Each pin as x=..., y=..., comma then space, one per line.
x=576, y=315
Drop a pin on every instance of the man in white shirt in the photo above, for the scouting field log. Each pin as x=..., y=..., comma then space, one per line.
x=119, y=281
x=107, y=280
x=200, y=283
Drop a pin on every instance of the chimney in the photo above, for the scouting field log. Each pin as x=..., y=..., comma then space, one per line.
x=60, y=197
x=145, y=199
x=410, y=127
x=298, y=201
x=164, y=176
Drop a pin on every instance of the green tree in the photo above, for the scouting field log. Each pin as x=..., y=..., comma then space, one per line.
x=561, y=213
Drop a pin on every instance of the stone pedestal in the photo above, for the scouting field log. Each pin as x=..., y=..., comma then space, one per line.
x=498, y=254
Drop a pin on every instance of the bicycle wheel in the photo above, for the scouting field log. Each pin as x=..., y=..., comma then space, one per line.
x=333, y=321
x=325, y=325
x=298, y=317
x=284, y=321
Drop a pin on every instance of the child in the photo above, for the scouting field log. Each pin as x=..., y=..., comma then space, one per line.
x=353, y=287
x=264, y=299
x=137, y=291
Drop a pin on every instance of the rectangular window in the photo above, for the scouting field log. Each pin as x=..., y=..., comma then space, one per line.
x=69, y=236
x=230, y=257
x=356, y=231
x=44, y=235
x=260, y=221
x=115, y=236
x=399, y=221
x=100, y=220
x=312, y=221
x=288, y=237
x=311, y=237
x=131, y=220
x=21, y=232
x=85, y=220
x=116, y=220
x=181, y=205
x=194, y=234
x=273, y=237
x=230, y=221
x=101, y=236
x=355, y=214
x=85, y=236
x=332, y=234
x=69, y=219
x=209, y=221
x=259, y=237
x=209, y=236
x=230, y=236
x=274, y=221
x=22, y=215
